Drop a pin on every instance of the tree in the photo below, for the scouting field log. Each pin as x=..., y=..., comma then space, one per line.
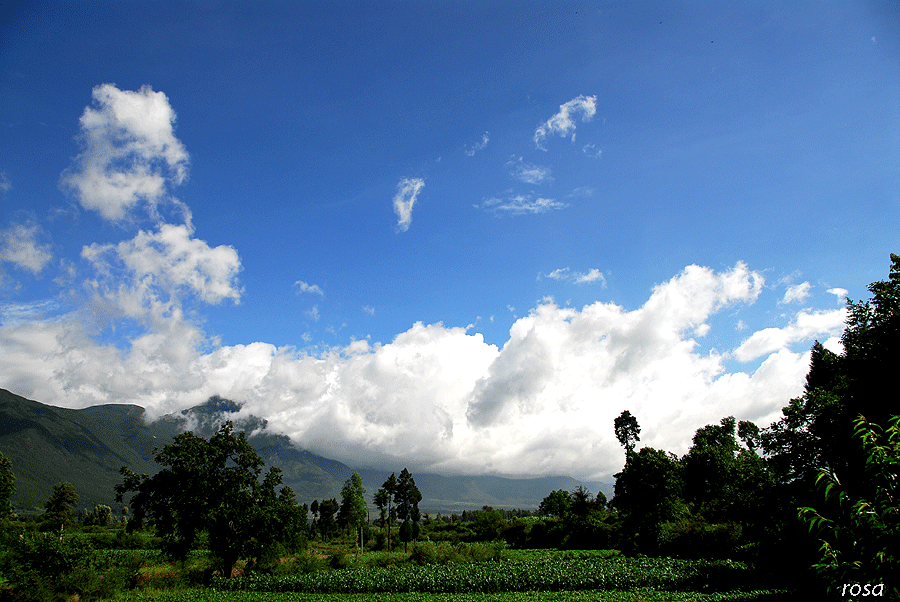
x=648, y=493
x=407, y=497
x=384, y=500
x=60, y=508
x=7, y=486
x=327, y=523
x=353, y=506
x=209, y=486
x=627, y=430
x=557, y=503
x=860, y=534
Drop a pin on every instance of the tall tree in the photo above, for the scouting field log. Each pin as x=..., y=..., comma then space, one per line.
x=353, y=506
x=7, y=486
x=210, y=486
x=407, y=498
x=648, y=493
x=384, y=500
x=627, y=430
x=327, y=522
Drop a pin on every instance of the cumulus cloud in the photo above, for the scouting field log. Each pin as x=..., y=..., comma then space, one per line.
x=796, y=293
x=521, y=204
x=478, y=145
x=304, y=287
x=528, y=173
x=148, y=277
x=130, y=153
x=407, y=191
x=562, y=123
x=440, y=398
x=19, y=245
x=804, y=326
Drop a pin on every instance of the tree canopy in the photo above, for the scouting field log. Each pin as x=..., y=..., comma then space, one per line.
x=627, y=430
x=7, y=485
x=211, y=486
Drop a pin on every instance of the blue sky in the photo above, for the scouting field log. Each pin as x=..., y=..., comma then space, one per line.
x=462, y=236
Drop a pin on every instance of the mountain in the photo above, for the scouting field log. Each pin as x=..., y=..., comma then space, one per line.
x=49, y=445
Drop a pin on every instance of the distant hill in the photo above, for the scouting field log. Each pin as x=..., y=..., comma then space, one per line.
x=49, y=445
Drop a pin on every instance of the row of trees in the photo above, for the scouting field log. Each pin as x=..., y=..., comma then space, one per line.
x=831, y=461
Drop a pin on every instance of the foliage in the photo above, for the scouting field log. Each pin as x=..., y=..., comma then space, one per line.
x=353, y=506
x=384, y=500
x=406, y=498
x=627, y=430
x=60, y=508
x=589, y=572
x=7, y=486
x=210, y=486
x=557, y=503
x=860, y=534
x=648, y=493
x=44, y=566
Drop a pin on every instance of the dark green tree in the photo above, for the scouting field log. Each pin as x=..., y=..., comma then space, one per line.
x=648, y=493
x=327, y=522
x=407, y=497
x=557, y=503
x=60, y=508
x=210, y=486
x=860, y=534
x=384, y=500
x=353, y=506
x=627, y=430
x=7, y=486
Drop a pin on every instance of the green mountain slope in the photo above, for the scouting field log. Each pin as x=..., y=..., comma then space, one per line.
x=49, y=445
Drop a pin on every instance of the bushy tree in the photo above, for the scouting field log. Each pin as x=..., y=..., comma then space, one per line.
x=648, y=492
x=860, y=533
x=60, y=508
x=210, y=486
x=557, y=503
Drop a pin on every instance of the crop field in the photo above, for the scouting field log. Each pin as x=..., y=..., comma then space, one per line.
x=517, y=576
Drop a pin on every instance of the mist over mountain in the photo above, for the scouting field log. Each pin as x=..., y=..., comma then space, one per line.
x=87, y=447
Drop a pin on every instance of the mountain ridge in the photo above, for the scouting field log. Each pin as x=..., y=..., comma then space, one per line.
x=87, y=447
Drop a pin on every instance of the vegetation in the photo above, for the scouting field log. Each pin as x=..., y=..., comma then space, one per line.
x=809, y=503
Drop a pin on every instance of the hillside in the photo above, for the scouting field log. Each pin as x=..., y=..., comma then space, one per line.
x=87, y=447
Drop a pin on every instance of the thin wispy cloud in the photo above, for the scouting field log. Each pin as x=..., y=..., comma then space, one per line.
x=521, y=204
x=565, y=274
x=5, y=184
x=407, y=191
x=562, y=124
x=367, y=309
x=470, y=151
x=528, y=173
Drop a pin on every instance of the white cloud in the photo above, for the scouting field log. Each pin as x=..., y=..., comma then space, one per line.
x=478, y=145
x=148, y=277
x=796, y=293
x=805, y=326
x=369, y=310
x=439, y=398
x=562, y=123
x=309, y=288
x=407, y=191
x=19, y=245
x=129, y=154
x=313, y=313
x=593, y=275
x=521, y=204
x=528, y=173
x=5, y=184
x=840, y=293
